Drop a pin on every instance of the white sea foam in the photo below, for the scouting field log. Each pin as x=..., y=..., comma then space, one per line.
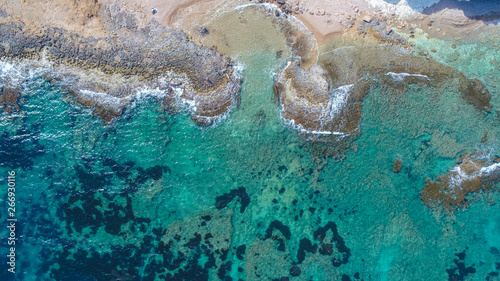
x=104, y=99
x=402, y=8
x=326, y=133
x=14, y=73
x=191, y=104
x=239, y=67
x=178, y=91
x=146, y=92
x=489, y=169
x=300, y=128
x=401, y=76
x=493, y=22
x=338, y=98
x=459, y=177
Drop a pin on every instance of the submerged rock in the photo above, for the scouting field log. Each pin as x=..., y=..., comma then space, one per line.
x=397, y=166
x=9, y=98
x=475, y=93
x=107, y=107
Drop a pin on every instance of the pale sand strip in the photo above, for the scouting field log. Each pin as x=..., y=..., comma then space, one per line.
x=329, y=18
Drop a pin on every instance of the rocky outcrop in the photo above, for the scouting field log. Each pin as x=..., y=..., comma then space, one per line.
x=311, y=103
x=474, y=172
x=326, y=98
x=144, y=55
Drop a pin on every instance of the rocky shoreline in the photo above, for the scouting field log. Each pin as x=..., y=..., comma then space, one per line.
x=324, y=100
x=130, y=51
x=143, y=55
x=320, y=92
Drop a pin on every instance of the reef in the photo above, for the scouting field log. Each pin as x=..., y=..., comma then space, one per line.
x=123, y=54
x=473, y=173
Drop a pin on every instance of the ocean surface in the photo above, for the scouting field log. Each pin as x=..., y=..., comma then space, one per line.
x=152, y=196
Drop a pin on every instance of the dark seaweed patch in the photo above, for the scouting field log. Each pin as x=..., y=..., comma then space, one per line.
x=281, y=243
x=226, y=267
x=285, y=231
x=305, y=245
x=122, y=171
x=157, y=171
x=492, y=276
x=346, y=277
x=223, y=256
x=92, y=181
x=279, y=226
x=194, y=242
x=460, y=271
x=326, y=249
x=282, y=168
x=295, y=271
x=320, y=235
x=223, y=200
x=240, y=251
x=92, y=184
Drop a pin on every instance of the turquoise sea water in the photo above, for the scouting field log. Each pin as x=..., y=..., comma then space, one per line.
x=155, y=197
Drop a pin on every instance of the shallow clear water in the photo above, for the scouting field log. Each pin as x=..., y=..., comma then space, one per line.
x=155, y=197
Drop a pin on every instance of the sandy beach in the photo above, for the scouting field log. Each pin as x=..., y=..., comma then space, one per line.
x=330, y=18
x=325, y=19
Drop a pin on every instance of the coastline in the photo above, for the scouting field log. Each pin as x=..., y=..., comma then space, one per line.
x=125, y=39
x=121, y=43
x=222, y=140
